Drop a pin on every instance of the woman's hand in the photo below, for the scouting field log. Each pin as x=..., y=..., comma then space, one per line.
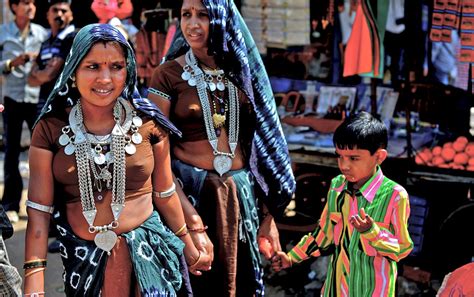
x=268, y=229
x=198, y=262
x=203, y=244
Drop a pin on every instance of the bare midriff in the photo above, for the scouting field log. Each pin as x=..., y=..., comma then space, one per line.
x=199, y=153
x=135, y=212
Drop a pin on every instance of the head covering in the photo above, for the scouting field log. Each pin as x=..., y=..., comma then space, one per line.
x=235, y=51
x=84, y=40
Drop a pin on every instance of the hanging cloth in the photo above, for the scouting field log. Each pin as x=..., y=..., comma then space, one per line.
x=149, y=51
x=364, y=51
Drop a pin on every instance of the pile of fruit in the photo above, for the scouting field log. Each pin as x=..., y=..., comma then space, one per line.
x=458, y=154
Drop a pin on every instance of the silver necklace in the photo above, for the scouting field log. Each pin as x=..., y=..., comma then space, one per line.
x=80, y=143
x=222, y=160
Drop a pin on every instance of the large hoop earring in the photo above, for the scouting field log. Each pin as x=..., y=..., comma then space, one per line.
x=64, y=90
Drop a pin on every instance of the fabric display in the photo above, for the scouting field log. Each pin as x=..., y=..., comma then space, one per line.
x=364, y=51
x=106, y=10
x=451, y=15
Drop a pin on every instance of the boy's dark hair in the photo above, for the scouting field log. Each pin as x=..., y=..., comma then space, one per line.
x=11, y=2
x=361, y=131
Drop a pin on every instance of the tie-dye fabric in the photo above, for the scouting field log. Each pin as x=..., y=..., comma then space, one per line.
x=64, y=95
x=235, y=51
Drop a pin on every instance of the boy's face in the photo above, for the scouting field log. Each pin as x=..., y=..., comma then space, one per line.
x=359, y=165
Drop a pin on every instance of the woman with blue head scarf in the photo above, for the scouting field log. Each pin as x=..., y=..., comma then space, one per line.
x=100, y=164
x=232, y=160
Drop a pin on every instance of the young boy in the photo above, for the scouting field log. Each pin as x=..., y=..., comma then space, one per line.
x=364, y=222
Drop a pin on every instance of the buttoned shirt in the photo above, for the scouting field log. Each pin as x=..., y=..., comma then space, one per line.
x=362, y=264
x=11, y=45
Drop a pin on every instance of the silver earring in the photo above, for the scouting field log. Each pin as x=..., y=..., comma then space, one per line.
x=64, y=90
x=73, y=84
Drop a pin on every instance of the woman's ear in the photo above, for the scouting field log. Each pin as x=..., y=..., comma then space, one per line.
x=381, y=155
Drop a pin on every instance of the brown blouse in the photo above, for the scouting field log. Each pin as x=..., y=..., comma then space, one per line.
x=139, y=166
x=186, y=112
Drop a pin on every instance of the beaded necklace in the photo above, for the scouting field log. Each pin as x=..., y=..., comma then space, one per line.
x=196, y=77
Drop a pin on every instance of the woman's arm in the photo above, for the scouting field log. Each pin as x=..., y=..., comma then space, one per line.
x=41, y=191
x=170, y=207
x=268, y=230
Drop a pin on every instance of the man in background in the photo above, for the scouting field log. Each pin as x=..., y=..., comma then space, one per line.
x=20, y=42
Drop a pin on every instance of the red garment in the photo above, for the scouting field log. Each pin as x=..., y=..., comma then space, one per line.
x=107, y=9
x=458, y=283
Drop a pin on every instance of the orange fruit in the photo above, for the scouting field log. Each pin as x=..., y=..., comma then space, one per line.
x=462, y=139
x=448, y=144
x=459, y=146
x=436, y=151
x=455, y=166
x=448, y=153
x=470, y=168
x=437, y=160
x=461, y=158
x=444, y=165
x=470, y=149
x=471, y=161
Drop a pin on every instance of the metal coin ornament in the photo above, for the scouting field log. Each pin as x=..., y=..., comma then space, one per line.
x=212, y=86
x=222, y=164
x=137, y=138
x=99, y=158
x=137, y=121
x=192, y=82
x=130, y=149
x=69, y=149
x=106, y=240
x=221, y=86
x=64, y=139
x=186, y=75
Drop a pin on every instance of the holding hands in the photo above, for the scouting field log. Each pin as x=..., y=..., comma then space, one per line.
x=361, y=223
x=206, y=251
x=281, y=261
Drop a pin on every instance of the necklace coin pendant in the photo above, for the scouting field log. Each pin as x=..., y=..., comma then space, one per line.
x=222, y=164
x=185, y=75
x=99, y=159
x=192, y=82
x=100, y=197
x=106, y=240
x=108, y=157
x=212, y=86
x=218, y=120
x=130, y=149
x=137, y=121
x=64, y=139
x=69, y=149
x=137, y=138
x=220, y=86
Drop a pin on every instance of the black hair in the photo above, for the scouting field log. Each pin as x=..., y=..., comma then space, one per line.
x=11, y=2
x=361, y=131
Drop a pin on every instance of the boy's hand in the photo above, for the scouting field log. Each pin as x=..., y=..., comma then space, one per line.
x=361, y=223
x=280, y=261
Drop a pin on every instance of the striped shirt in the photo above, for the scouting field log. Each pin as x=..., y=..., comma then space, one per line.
x=361, y=264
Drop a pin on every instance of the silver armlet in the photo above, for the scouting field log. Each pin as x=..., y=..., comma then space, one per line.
x=167, y=193
x=40, y=207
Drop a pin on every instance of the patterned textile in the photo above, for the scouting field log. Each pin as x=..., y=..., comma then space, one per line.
x=83, y=42
x=199, y=184
x=154, y=251
x=373, y=254
x=230, y=40
x=10, y=279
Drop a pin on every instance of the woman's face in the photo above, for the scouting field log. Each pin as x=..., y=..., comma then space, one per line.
x=101, y=75
x=195, y=24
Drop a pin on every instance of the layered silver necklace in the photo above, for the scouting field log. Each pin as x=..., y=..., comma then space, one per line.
x=88, y=149
x=195, y=77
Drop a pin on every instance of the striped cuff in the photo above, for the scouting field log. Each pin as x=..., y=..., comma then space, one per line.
x=159, y=93
x=297, y=255
x=372, y=233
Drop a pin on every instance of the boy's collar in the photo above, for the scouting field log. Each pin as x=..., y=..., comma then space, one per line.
x=370, y=188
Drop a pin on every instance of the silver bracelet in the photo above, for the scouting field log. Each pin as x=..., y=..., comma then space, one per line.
x=167, y=193
x=40, y=207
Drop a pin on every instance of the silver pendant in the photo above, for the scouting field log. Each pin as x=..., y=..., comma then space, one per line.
x=69, y=149
x=108, y=157
x=212, y=86
x=220, y=86
x=99, y=159
x=64, y=139
x=137, y=138
x=130, y=149
x=106, y=240
x=137, y=121
x=222, y=164
x=192, y=82
x=185, y=75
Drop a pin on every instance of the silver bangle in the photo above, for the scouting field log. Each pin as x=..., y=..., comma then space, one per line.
x=167, y=193
x=40, y=207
